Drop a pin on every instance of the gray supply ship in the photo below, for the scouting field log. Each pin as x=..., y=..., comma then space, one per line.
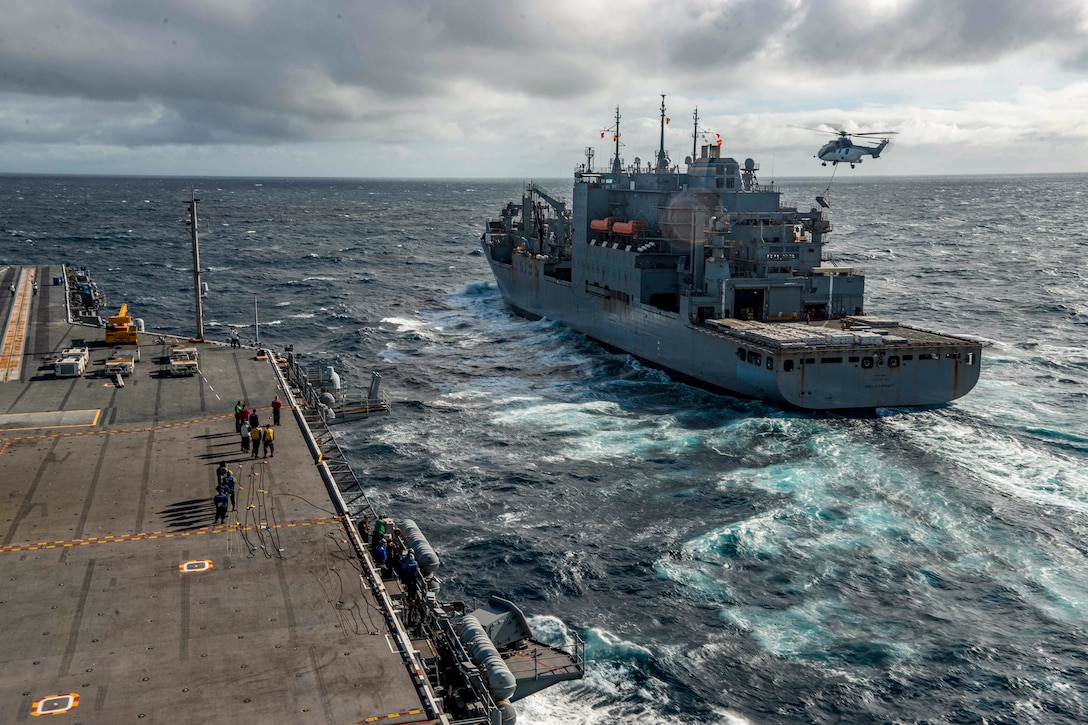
x=705, y=274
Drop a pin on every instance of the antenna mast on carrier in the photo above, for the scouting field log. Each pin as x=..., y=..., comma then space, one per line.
x=196, y=270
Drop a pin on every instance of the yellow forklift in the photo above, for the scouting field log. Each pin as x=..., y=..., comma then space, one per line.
x=120, y=329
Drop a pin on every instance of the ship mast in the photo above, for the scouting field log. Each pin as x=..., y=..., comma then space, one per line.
x=695, y=134
x=617, y=166
x=662, y=159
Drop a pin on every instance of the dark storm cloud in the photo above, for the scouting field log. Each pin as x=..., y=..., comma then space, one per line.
x=728, y=36
x=742, y=38
x=260, y=69
x=930, y=33
x=138, y=72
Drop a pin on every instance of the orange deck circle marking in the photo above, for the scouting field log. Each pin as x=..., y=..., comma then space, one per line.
x=197, y=565
x=55, y=704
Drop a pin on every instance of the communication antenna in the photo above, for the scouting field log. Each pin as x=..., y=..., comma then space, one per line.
x=695, y=135
x=617, y=165
x=662, y=159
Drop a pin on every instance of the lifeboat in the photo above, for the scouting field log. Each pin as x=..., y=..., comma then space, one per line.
x=629, y=229
x=602, y=225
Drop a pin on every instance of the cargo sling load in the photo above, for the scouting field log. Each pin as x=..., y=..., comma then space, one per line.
x=705, y=274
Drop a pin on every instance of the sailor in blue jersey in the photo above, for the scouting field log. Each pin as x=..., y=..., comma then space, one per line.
x=409, y=568
x=228, y=488
x=409, y=565
x=380, y=553
x=221, y=500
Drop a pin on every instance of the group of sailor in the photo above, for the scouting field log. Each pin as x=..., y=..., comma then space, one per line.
x=224, y=492
x=389, y=550
x=248, y=425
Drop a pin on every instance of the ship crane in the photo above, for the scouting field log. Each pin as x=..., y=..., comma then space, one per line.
x=542, y=225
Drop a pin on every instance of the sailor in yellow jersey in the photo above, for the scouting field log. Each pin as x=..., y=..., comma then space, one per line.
x=255, y=440
x=269, y=442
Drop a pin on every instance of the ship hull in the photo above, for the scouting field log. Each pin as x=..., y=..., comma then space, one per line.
x=936, y=371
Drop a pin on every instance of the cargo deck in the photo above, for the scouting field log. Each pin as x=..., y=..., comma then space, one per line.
x=122, y=600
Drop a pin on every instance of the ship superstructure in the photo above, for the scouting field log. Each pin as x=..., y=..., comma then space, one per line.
x=705, y=273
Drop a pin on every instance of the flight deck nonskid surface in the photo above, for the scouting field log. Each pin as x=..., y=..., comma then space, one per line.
x=123, y=602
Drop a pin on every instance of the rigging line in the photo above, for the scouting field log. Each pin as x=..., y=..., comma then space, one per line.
x=245, y=525
x=366, y=612
x=348, y=556
x=260, y=512
x=274, y=532
x=266, y=528
x=335, y=570
x=834, y=170
x=230, y=541
x=255, y=511
x=274, y=535
x=319, y=508
x=340, y=608
x=253, y=517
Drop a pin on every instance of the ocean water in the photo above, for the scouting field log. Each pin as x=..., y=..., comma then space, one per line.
x=726, y=561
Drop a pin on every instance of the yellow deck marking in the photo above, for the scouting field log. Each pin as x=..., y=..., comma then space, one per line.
x=148, y=535
x=92, y=416
x=103, y=431
x=390, y=716
x=11, y=349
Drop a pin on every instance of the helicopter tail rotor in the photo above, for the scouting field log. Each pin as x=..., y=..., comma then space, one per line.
x=879, y=148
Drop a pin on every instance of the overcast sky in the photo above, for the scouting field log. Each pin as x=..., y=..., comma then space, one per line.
x=519, y=88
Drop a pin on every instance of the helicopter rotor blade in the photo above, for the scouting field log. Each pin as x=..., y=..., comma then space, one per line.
x=816, y=130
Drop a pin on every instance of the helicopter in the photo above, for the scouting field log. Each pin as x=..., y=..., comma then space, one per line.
x=842, y=149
